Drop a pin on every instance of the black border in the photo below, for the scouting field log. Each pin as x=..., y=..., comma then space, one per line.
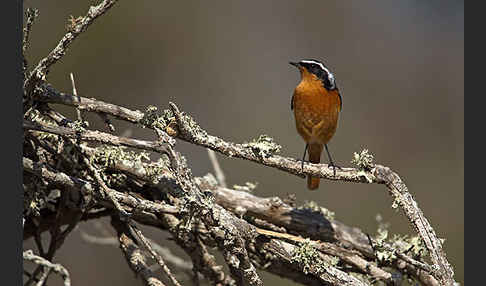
x=11, y=116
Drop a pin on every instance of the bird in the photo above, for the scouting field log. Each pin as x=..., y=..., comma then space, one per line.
x=316, y=103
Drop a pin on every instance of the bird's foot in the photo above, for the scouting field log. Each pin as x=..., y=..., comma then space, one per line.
x=334, y=166
x=302, y=167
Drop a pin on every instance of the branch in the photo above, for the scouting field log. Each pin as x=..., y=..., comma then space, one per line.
x=96, y=136
x=31, y=15
x=217, y=168
x=58, y=268
x=134, y=256
x=308, y=223
x=263, y=151
x=85, y=187
x=152, y=252
x=77, y=27
x=191, y=132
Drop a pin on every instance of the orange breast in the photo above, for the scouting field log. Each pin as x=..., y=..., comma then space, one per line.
x=316, y=111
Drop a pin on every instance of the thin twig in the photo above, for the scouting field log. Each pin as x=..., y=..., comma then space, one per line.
x=75, y=92
x=58, y=268
x=41, y=70
x=31, y=15
x=217, y=168
x=42, y=279
x=154, y=254
x=134, y=255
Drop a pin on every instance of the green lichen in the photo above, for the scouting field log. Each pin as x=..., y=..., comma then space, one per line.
x=79, y=126
x=35, y=198
x=264, y=146
x=308, y=257
x=314, y=207
x=333, y=261
x=363, y=160
x=154, y=170
x=410, y=245
x=152, y=118
x=109, y=155
x=381, y=252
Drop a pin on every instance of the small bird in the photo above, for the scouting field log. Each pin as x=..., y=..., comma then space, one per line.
x=316, y=103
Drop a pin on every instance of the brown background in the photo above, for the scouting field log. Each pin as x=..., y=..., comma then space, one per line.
x=399, y=65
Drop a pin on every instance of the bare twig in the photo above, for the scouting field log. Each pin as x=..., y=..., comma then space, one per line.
x=134, y=255
x=172, y=259
x=75, y=92
x=45, y=271
x=58, y=268
x=154, y=254
x=31, y=15
x=50, y=95
x=217, y=168
x=42, y=68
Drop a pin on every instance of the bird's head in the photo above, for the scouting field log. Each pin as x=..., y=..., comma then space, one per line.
x=314, y=69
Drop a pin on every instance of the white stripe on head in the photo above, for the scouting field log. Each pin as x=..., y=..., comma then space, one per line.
x=330, y=76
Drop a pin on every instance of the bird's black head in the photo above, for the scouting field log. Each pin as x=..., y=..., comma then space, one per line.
x=319, y=70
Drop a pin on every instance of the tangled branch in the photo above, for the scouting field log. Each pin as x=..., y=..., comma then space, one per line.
x=100, y=174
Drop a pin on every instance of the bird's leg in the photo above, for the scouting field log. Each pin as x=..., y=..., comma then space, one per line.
x=303, y=157
x=331, y=162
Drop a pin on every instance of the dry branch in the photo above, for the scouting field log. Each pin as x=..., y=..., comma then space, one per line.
x=134, y=255
x=250, y=232
x=58, y=268
x=152, y=252
x=191, y=132
x=41, y=70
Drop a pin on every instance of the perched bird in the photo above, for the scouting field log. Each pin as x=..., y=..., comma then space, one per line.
x=316, y=103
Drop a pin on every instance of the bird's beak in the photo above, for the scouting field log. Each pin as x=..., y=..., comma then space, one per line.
x=295, y=64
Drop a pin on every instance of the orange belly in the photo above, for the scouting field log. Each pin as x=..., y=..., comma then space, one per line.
x=316, y=111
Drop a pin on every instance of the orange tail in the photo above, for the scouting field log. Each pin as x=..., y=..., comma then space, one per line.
x=314, y=157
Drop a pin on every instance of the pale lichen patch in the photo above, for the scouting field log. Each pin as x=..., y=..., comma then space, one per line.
x=264, y=146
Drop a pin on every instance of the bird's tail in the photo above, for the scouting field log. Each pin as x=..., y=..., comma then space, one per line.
x=314, y=157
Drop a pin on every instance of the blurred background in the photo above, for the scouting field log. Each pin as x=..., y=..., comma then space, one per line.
x=399, y=66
